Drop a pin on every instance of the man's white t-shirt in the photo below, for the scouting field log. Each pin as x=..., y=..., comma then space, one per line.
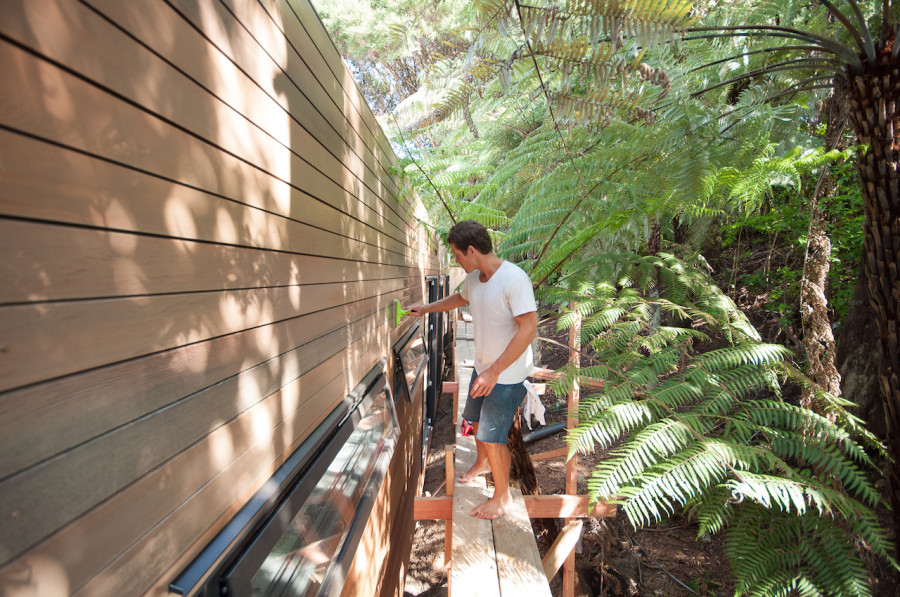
x=494, y=305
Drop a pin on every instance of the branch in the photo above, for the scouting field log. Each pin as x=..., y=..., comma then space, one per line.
x=754, y=52
x=774, y=31
x=558, y=132
x=849, y=26
x=866, y=33
x=886, y=21
x=425, y=174
x=808, y=63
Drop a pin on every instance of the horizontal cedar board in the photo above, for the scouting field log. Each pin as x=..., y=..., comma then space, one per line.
x=36, y=421
x=249, y=35
x=44, y=262
x=47, y=182
x=169, y=546
x=538, y=506
x=318, y=51
x=44, y=341
x=90, y=543
x=285, y=85
x=239, y=117
x=123, y=133
x=271, y=26
x=250, y=114
x=244, y=428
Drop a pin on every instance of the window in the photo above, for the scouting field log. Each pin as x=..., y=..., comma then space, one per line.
x=305, y=543
x=410, y=351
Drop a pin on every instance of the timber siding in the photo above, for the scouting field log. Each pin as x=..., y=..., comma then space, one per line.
x=201, y=241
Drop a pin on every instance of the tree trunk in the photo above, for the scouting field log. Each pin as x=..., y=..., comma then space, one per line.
x=522, y=470
x=521, y=466
x=857, y=359
x=818, y=337
x=874, y=97
x=468, y=117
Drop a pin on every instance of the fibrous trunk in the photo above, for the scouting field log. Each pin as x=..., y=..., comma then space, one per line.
x=818, y=337
x=874, y=96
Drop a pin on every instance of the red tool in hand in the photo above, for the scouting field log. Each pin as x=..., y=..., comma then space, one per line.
x=466, y=429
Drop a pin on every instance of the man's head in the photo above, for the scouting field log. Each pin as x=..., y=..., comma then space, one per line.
x=466, y=239
x=470, y=233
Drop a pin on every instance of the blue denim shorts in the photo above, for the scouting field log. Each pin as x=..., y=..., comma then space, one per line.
x=495, y=412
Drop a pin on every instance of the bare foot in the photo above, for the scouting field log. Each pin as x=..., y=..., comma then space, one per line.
x=472, y=473
x=493, y=508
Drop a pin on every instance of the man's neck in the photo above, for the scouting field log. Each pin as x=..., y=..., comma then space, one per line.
x=488, y=266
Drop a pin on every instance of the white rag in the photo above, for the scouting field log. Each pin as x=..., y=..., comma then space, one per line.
x=533, y=405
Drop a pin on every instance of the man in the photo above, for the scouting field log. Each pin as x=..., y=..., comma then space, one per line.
x=504, y=314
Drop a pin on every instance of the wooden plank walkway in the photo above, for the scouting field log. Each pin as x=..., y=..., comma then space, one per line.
x=489, y=558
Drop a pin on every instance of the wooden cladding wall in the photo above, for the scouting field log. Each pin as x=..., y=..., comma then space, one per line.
x=201, y=242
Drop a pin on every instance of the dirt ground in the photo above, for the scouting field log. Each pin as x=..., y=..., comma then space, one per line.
x=615, y=559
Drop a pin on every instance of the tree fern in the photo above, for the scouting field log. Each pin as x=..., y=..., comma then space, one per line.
x=705, y=431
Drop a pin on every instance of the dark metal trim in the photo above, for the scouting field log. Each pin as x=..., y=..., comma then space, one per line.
x=202, y=575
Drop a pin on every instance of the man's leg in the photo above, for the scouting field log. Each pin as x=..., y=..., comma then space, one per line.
x=481, y=465
x=499, y=460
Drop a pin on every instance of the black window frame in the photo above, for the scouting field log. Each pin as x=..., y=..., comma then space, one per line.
x=227, y=562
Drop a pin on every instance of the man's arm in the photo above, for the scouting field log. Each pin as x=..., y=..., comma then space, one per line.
x=448, y=303
x=487, y=379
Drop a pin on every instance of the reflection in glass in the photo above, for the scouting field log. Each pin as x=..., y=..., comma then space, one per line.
x=299, y=563
x=412, y=356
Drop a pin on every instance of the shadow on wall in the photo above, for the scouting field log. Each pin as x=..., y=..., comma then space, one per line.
x=194, y=278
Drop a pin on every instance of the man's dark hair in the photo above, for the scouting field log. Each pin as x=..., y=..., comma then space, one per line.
x=470, y=233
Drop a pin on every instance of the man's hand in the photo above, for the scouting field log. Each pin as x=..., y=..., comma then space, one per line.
x=484, y=383
x=417, y=310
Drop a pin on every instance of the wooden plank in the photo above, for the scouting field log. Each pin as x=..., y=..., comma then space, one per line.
x=35, y=422
x=47, y=340
x=152, y=145
x=48, y=262
x=542, y=373
x=179, y=537
x=518, y=561
x=560, y=453
x=186, y=500
x=449, y=483
x=58, y=490
x=43, y=181
x=561, y=548
x=474, y=568
x=285, y=80
x=538, y=506
x=120, y=521
x=343, y=114
x=321, y=47
x=574, y=397
x=247, y=122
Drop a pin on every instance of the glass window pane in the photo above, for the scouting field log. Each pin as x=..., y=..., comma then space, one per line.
x=299, y=563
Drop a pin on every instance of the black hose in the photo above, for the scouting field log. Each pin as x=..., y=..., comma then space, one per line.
x=533, y=436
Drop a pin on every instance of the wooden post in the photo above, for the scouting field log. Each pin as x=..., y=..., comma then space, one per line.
x=561, y=548
x=449, y=481
x=455, y=364
x=572, y=465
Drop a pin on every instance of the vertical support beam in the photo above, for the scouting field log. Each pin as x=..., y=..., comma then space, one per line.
x=572, y=465
x=449, y=482
x=455, y=313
